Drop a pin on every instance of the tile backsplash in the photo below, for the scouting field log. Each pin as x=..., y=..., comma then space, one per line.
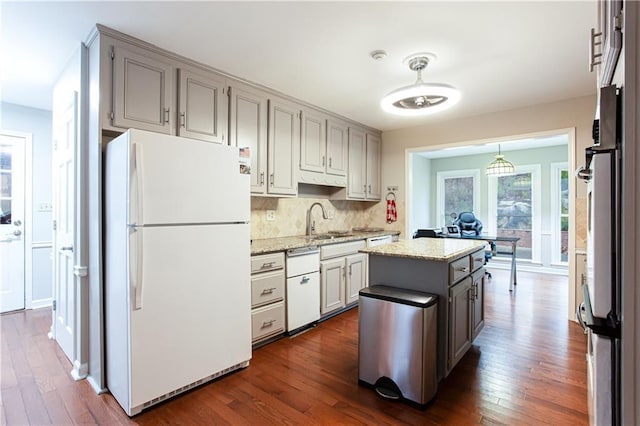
x=291, y=216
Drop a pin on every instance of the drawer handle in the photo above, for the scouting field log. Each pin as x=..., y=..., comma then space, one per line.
x=267, y=265
x=268, y=323
x=465, y=269
x=304, y=280
x=268, y=290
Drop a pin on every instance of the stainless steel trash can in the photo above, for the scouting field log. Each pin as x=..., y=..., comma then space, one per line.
x=397, y=335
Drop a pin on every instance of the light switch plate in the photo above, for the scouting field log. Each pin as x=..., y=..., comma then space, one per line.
x=45, y=207
x=271, y=215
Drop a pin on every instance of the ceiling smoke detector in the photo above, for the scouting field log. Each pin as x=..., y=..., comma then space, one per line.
x=420, y=98
x=378, y=54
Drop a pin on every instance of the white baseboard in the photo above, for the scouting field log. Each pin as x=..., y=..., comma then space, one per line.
x=527, y=267
x=96, y=388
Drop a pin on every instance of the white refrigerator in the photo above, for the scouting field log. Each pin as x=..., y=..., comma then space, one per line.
x=177, y=265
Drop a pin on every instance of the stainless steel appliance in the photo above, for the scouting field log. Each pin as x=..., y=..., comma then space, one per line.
x=398, y=336
x=599, y=314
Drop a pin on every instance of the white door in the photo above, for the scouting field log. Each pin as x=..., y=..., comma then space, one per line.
x=64, y=145
x=12, y=267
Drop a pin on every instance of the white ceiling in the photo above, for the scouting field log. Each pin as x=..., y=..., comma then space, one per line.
x=501, y=55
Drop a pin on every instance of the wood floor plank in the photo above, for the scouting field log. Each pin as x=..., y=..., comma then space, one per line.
x=518, y=371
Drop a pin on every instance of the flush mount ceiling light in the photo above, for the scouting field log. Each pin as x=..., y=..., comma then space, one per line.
x=500, y=166
x=420, y=98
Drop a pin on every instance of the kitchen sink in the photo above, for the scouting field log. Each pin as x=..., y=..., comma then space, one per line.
x=328, y=236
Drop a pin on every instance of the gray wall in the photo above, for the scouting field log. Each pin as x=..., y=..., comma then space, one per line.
x=428, y=174
x=542, y=156
x=37, y=122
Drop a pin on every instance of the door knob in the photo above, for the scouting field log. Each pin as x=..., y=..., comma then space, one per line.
x=17, y=222
x=17, y=232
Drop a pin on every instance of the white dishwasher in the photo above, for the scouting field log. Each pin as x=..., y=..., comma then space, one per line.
x=378, y=241
x=303, y=287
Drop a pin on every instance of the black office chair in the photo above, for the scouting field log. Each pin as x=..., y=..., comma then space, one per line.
x=470, y=225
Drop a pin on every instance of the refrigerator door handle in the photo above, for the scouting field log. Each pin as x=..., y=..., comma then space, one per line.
x=139, y=171
x=136, y=277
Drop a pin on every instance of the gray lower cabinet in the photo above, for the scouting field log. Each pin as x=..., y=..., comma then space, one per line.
x=332, y=285
x=267, y=296
x=343, y=272
x=478, y=281
x=460, y=317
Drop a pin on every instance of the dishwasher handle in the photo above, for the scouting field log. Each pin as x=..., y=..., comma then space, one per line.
x=301, y=251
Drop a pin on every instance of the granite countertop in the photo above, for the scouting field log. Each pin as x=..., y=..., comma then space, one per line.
x=271, y=245
x=441, y=249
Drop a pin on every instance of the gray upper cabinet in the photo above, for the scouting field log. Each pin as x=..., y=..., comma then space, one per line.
x=248, y=128
x=143, y=85
x=313, y=143
x=337, y=147
x=373, y=167
x=323, y=150
x=202, y=107
x=283, y=143
x=357, y=188
x=364, y=166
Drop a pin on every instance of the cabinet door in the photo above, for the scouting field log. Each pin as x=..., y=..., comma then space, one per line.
x=459, y=321
x=202, y=107
x=313, y=143
x=283, y=144
x=142, y=89
x=332, y=285
x=248, y=129
x=337, y=147
x=477, y=295
x=356, y=276
x=373, y=167
x=356, y=187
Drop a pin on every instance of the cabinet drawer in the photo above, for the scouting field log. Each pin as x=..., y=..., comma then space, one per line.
x=341, y=249
x=267, y=262
x=267, y=321
x=477, y=260
x=267, y=287
x=459, y=269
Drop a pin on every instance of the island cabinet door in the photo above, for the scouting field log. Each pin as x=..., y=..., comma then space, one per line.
x=460, y=318
x=477, y=294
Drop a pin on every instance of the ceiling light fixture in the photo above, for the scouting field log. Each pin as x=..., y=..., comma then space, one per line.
x=500, y=166
x=420, y=98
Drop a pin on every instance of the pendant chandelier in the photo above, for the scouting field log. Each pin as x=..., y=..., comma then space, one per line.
x=500, y=166
x=420, y=98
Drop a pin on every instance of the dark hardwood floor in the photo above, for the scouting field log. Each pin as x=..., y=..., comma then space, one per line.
x=526, y=367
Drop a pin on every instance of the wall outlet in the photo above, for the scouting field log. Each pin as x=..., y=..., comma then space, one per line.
x=271, y=215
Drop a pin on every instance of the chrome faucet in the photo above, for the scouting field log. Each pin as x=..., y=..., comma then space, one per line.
x=310, y=225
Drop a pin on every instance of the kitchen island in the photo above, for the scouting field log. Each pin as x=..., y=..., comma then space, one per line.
x=452, y=269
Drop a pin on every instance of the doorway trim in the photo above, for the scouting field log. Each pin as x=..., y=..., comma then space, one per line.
x=574, y=294
x=28, y=214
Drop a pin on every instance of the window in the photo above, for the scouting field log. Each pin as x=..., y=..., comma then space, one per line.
x=5, y=184
x=514, y=210
x=560, y=212
x=458, y=191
